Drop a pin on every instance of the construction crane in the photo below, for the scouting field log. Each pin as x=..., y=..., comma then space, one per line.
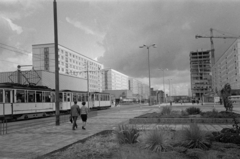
x=211, y=40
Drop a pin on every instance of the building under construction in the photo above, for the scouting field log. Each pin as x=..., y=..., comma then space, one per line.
x=201, y=75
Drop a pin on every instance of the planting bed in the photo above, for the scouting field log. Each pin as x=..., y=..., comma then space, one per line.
x=106, y=146
x=178, y=117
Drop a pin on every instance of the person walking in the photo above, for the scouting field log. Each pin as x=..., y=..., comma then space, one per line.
x=75, y=112
x=84, y=112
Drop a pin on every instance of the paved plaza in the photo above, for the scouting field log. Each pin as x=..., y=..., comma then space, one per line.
x=37, y=141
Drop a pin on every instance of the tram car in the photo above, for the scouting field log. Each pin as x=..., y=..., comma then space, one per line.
x=19, y=101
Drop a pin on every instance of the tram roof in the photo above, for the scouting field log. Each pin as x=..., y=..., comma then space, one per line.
x=23, y=86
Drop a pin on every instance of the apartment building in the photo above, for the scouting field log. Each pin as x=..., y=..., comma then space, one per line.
x=201, y=75
x=226, y=68
x=70, y=63
x=138, y=88
x=114, y=80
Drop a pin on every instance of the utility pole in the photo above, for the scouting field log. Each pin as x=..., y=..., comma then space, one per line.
x=56, y=64
x=88, y=85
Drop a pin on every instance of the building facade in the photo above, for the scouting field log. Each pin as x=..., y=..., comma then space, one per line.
x=70, y=63
x=201, y=75
x=139, y=89
x=114, y=80
x=226, y=68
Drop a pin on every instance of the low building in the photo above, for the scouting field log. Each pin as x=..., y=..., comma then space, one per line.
x=44, y=78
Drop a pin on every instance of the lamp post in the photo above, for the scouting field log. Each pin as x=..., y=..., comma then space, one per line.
x=164, y=99
x=153, y=45
x=169, y=89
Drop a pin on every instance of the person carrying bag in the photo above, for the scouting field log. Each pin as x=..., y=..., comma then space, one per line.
x=75, y=112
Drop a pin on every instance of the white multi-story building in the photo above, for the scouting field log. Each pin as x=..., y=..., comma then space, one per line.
x=70, y=63
x=114, y=80
x=226, y=68
x=138, y=88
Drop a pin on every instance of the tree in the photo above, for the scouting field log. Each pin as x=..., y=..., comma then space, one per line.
x=225, y=93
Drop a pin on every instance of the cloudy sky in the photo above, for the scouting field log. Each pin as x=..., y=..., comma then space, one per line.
x=111, y=32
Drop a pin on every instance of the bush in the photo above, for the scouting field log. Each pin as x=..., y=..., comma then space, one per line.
x=193, y=137
x=126, y=134
x=155, y=141
x=166, y=110
x=193, y=110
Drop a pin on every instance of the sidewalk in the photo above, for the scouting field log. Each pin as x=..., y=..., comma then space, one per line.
x=36, y=141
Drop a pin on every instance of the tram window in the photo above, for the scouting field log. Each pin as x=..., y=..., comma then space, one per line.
x=31, y=96
x=39, y=96
x=20, y=96
x=60, y=97
x=7, y=96
x=65, y=97
x=74, y=97
x=53, y=97
x=79, y=97
x=68, y=97
x=96, y=96
x=47, y=97
x=1, y=96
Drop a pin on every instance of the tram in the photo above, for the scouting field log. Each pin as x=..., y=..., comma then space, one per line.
x=19, y=101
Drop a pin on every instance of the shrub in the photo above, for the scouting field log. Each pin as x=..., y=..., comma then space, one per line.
x=193, y=137
x=193, y=110
x=166, y=110
x=184, y=113
x=127, y=134
x=156, y=142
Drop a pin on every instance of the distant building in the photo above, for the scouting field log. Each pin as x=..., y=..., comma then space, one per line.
x=139, y=89
x=114, y=80
x=226, y=68
x=70, y=63
x=201, y=75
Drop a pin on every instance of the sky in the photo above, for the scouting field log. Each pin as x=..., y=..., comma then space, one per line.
x=111, y=31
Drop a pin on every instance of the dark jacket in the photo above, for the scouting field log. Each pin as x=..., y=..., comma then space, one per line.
x=75, y=110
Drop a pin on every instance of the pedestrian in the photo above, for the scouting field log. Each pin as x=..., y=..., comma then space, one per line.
x=84, y=112
x=75, y=112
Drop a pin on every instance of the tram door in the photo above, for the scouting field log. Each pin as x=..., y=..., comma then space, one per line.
x=8, y=101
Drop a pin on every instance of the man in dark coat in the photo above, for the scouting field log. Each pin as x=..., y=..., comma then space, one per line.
x=75, y=112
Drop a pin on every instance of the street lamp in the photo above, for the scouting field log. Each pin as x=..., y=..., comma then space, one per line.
x=164, y=99
x=153, y=45
x=169, y=89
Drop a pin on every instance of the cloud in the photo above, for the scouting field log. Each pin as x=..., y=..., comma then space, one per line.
x=13, y=26
x=78, y=24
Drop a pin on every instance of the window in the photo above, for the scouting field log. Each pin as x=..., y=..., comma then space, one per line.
x=7, y=96
x=65, y=97
x=46, y=97
x=39, y=97
x=74, y=97
x=20, y=96
x=79, y=97
x=31, y=96
x=1, y=96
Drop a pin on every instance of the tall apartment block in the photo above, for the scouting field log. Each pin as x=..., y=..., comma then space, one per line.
x=201, y=75
x=71, y=63
x=114, y=80
x=226, y=68
x=138, y=88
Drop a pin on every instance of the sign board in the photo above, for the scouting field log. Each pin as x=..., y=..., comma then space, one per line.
x=216, y=99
